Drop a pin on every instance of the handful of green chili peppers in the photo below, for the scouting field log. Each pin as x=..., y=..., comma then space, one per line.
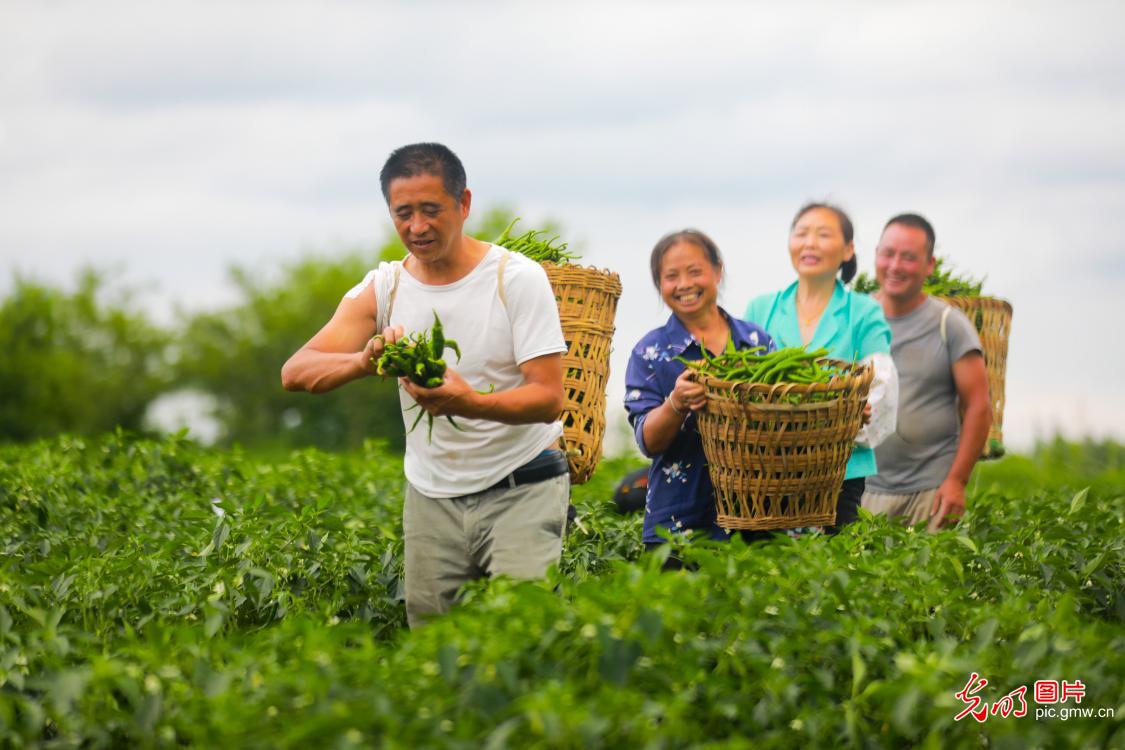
x=537, y=248
x=418, y=358
x=793, y=364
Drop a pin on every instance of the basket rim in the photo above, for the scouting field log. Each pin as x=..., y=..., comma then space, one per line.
x=547, y=265
x=837, y=383
x=984, y=299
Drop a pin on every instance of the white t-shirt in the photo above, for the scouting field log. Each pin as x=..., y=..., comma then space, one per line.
x=495, y=339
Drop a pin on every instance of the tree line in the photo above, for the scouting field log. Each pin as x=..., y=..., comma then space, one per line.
x=90, y=359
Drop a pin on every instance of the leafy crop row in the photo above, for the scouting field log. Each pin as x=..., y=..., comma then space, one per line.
x=133, y=615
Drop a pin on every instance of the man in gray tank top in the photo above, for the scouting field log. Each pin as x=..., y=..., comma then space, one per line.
x=943, y=407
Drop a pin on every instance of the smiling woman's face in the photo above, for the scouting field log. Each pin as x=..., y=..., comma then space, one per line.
x=816, y=244
x=688, y=281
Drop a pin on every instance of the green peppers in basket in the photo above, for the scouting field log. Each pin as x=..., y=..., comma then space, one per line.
x=793, y=364
x=538, y=249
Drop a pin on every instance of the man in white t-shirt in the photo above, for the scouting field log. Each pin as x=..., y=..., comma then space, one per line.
x=491, y=498
x=925, y=465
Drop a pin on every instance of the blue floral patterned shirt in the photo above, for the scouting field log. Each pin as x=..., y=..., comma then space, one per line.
x=680, y=495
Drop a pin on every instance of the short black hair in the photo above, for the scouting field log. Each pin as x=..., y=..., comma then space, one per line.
x=849, y=267
x=424, y=158
x=693, y=236
x=918, y=222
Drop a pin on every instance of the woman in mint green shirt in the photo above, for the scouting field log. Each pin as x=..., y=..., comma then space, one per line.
x=817, y=310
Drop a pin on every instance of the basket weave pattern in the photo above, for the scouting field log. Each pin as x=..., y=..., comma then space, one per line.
x=775, y=464
x=587, y=300
x=993, y=320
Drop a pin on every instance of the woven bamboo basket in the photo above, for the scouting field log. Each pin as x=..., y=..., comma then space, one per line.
x=587, y=299
x=993, y=320
x=776, y=464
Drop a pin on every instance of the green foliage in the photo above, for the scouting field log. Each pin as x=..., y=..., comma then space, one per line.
x=1089, y=457
x=120, y=532
x=81, y=362
x=236, y=355
x=865, y=284
x=132, y=616
x=943, y=282
x=1058, y=465
x=599, y=538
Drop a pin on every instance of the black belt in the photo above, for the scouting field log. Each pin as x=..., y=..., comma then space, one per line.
x=547, y=465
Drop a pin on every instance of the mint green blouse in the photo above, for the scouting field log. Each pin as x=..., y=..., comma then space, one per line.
x=851, y=328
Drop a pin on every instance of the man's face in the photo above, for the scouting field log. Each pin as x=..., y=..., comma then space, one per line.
x=901, y=262
x=428, y=219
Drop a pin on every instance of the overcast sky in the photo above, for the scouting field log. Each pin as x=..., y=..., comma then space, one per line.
x=168, y=140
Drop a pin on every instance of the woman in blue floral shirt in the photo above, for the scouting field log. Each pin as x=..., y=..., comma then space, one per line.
x=661, y=397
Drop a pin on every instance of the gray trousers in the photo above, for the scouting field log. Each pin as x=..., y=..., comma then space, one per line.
x=912, y=507
x=515, y=532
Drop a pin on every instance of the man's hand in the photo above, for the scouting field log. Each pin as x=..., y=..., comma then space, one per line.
x=454, y=397
x=866, y=412
x=376, y=346
x=949, y=504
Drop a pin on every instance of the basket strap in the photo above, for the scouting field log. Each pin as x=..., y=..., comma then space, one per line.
x=499, y=284
x=944, y=318
x=394, y=290
x=500, y=277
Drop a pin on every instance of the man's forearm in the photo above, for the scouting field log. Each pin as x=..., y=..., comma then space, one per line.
x=974, y=433
x=316, y=372
x=527, y=404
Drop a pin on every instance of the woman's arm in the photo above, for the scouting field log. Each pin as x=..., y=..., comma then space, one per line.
x=664, y=422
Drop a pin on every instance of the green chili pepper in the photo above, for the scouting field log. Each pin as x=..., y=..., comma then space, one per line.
x=418, y=419
x=451, y=344
x=437, y=336
x=533, y=246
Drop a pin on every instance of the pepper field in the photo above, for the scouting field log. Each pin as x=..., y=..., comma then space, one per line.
x=133, y=614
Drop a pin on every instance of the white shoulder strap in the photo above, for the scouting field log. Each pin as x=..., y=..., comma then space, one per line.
x=386, y=286
x=394, y=291
x=505, y=254
x=396, y=272
x=944, y=318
